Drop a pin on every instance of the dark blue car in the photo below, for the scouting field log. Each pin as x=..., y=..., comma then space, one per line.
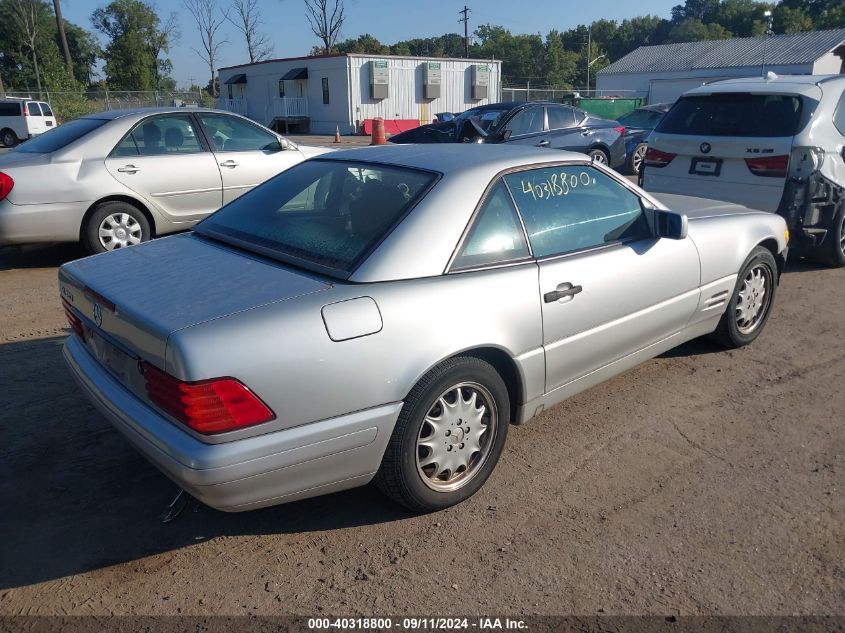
x=638, y=125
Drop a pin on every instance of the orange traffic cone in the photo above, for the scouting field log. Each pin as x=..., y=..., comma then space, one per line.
x=337, y=134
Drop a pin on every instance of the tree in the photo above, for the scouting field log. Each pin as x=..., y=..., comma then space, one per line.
x=209, y=20
x=84, y=52
x=559, y=64
x=694, y=30
x=136, y=42
x=363, y=44
x=325, y=22
x=246, y=19
x=787, y=20
x=27, y=15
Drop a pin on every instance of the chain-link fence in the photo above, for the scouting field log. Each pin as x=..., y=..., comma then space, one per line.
x=530, y=93
x=69, y=105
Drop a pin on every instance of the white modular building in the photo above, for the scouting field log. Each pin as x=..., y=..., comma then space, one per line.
x=345, y=91
x=661, y=74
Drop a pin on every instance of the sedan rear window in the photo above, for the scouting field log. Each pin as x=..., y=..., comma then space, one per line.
x=734, y=114
x=59, y=137
x=323, y=214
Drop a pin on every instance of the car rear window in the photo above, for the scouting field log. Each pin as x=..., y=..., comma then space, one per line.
x=45, y=108
x=734, y=114
x=643, y=119
x=33, y=109
x=59, y=137
x=322, y=214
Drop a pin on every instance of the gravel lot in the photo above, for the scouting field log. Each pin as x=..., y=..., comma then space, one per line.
x=703, y=482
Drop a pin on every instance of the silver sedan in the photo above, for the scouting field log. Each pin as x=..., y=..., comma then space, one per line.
x=387, y=313
x=118, y=178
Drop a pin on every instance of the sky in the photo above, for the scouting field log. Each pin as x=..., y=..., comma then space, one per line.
x=388, y=21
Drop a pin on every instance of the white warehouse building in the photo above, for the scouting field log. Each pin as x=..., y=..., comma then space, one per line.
x=661, y=74
x=346, y=91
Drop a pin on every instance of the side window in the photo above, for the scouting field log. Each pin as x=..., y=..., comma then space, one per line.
x=281, y=88
x=45, y=108
x=164, y=135
x=33, y=109
x=496, y=236
x=325, y=90
x=560, y=117
x=573, y=207
x=231, y=134
x=839, y=115
x=528, y=121
x=10, y=108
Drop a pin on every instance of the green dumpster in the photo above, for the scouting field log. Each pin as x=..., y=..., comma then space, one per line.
x=606, y=107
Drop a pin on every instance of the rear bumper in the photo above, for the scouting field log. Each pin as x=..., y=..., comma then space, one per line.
x=263, y=470
x=31, y=223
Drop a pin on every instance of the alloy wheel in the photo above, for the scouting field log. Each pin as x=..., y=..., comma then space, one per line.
x=754, y=298
x=638, y=158
x=456, y=436
x=598, y=156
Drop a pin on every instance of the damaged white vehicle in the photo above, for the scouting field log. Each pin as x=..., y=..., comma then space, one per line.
x=771, y=143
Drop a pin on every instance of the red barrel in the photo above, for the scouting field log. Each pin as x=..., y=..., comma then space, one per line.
x=378, y=132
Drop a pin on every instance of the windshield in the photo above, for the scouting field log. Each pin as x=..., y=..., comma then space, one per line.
x=734, y=114
x=641, y=119
x=324, y=214
x=487, y=117
x=61, y=136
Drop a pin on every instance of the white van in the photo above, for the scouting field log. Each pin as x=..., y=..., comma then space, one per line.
x=21, y=119
x=770, y=143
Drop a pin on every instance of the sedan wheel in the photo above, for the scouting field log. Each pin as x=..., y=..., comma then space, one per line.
x=754, y=297
x=456, y=437
x=448, y=436
x=115, y=225
x=836, y=249
x=751, y=302
x=598, y=156
x=637, y=158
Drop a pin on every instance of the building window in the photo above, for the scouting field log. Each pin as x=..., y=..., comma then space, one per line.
x=325, y=90
x=229, y=90
x=281, y=87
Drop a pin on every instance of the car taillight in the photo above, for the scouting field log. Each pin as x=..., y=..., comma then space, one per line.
x=770, y=166
x=656, y=158
x=74, y=321
x=6, y=185
x=620, y=129
x=207, y=406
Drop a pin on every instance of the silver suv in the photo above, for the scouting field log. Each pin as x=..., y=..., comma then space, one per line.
x=771, y=143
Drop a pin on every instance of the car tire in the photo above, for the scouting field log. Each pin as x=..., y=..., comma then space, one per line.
x=599, y=155
x=8, y=137
x=126, y=223
x=435, y=431
x=635, y=162
x=751, y=302
x=835, y=246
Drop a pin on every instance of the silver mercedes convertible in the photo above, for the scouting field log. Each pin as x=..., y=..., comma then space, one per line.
x=386, y=313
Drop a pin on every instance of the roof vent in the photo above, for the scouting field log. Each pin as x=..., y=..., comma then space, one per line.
x=770, y=75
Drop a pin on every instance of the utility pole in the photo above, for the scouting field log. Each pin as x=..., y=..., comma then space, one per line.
x=2, y=89
x=465, y=20
x=589, y=54
x=60, y=24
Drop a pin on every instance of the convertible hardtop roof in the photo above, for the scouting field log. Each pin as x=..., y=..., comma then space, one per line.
x=456, y=159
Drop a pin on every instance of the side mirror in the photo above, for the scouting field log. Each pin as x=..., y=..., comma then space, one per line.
x=506, y=135
x=672, y=226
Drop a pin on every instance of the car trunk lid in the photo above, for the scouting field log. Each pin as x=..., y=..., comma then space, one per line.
x=134, y=299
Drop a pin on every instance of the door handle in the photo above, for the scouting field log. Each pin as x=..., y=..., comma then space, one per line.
x=562, y=292
x=543, y=144
x=128, y=169
x=586, y=132
x=229, y=163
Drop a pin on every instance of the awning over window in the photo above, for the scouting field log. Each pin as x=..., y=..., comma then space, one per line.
x=236, y=79
x=296, y=73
